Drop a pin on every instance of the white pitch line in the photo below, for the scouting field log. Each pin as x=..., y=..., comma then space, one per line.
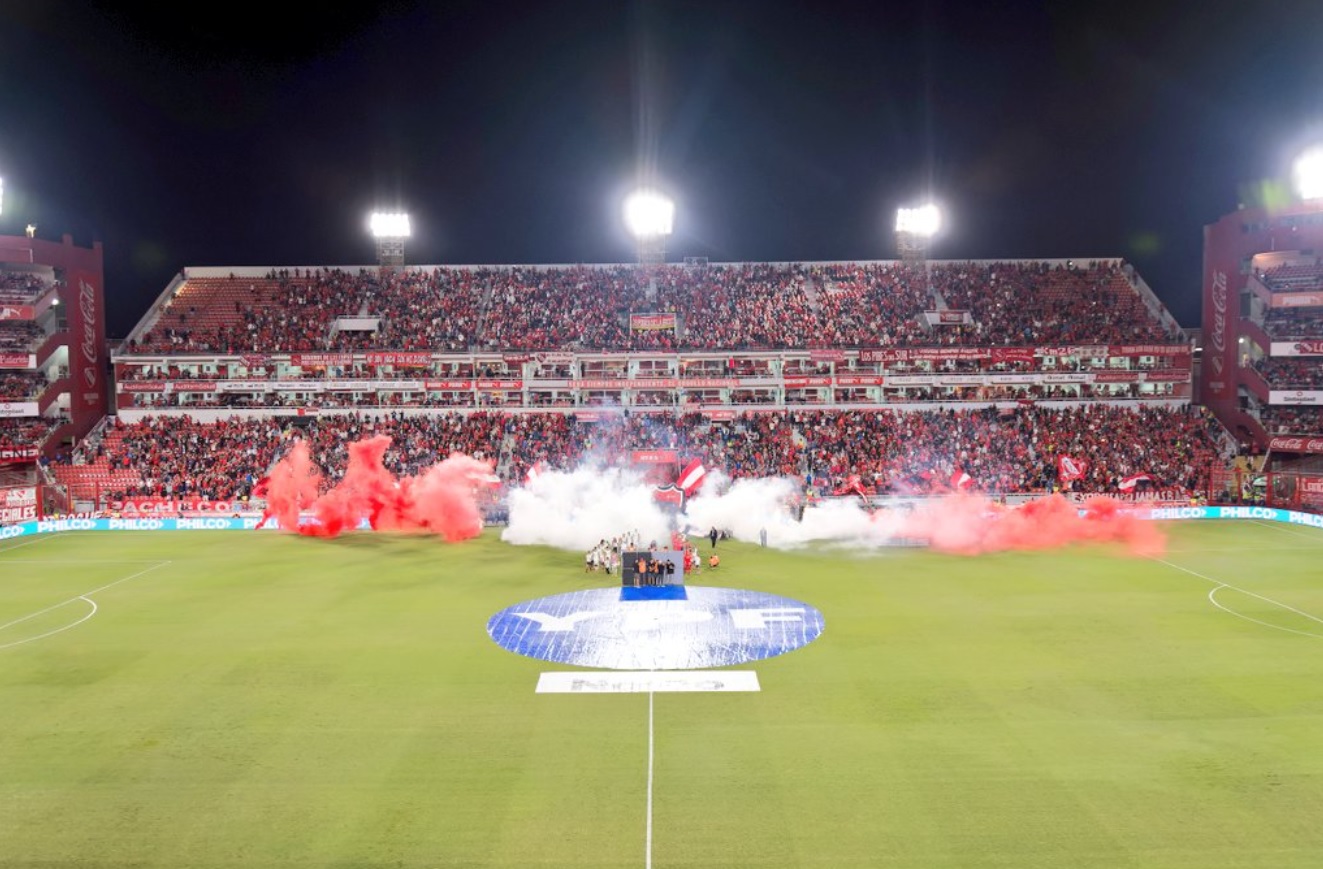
x=28, y=543
x=84, y=596
x=1212, y=592
x=1220, y=585
x=1285, y=529
x=647, y=839
x=57, y=630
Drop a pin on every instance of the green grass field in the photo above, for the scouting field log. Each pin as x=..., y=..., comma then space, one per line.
x=261, y=700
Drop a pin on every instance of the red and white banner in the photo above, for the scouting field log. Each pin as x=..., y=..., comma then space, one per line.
x=654, y=457
x=858, y=380
x=16, y=455
x=18, y=504
x=1297, y=300
x=500, y=384
x=1297, y=348
x=1167, y=376
x=317, y=360
x=826, y=355
x=1132, y=481
x=1116, y=377
x=405, y=360
x=18, y=360
x=651, y=322
x=960, y=480
x=1070, y=468
x=1312, y=445
x=162, y=506
x=801, y=382
x=1222, y=245
x=447, y=385
x=1012, y=354
x=17, y=312
x=87, y=352
x=719, y=415
x=691, y=477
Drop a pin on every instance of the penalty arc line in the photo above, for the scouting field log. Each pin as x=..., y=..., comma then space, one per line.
x=84, y=596
x=1221, y=585
x=57, y=630
x=1212, y=598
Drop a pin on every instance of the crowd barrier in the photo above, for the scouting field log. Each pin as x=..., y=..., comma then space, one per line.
x=249, y=523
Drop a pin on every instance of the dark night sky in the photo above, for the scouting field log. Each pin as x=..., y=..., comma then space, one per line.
x=511, y=131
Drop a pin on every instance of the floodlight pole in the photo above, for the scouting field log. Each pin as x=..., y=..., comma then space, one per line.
x=390, y=253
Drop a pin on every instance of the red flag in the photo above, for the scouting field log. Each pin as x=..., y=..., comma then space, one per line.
x=691, y=477
x=960, y=480
x=1129, y=483
x=1070, y=469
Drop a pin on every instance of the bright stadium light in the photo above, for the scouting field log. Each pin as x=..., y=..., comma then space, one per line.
x=650, y=218
x=649, y=214
x=1308, y=173
x=2, y=196
x=915, y=228
x=925, y=220
x=386, y=225
x=390, y=229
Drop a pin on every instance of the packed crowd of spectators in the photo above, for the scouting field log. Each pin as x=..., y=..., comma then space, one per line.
x=1291, y=419
x=23, y=432
x=20, y=287
x=728, y=307
x=1294, y=323
x=21, y=385
x=1291, y=372
x=19, y=335
x=891, y=451
x=1025, y=303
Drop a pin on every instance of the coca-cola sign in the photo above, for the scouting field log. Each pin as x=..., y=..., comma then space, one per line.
x=1218, y=337
x=87, y=346
x=1312, y=444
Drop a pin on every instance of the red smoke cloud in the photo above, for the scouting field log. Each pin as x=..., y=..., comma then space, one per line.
x=970, y=525
x=442, y=500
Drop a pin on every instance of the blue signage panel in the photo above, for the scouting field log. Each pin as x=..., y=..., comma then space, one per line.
x=709, y=627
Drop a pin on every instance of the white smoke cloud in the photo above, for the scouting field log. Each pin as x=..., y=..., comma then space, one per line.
x=577, y=509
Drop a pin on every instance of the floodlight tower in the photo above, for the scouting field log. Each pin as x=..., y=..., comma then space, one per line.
x=1308, y=173
x=915, y=228
x=390, y=231
x=650, y=218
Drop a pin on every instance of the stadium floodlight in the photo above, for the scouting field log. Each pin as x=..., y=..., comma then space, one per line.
x=650, y=218
x=915, y=228
x=925, y=220
x=1308, y=173
x=390, y=229
x=386, y=225
x=2, y=196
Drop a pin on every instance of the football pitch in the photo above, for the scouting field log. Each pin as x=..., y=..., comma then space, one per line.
x=227, y=699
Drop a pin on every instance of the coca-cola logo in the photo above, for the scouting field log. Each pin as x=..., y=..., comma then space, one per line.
x=87, y=308
x=1297, y=445
x=1218, y=293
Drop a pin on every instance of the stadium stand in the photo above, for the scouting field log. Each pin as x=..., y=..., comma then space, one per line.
x=1003, y=450
x=719, y=307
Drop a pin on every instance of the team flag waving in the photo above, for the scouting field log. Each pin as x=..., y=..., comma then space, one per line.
x=1070, y=469
x=691, y=477
x=1129, y=483
x=960, y=481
